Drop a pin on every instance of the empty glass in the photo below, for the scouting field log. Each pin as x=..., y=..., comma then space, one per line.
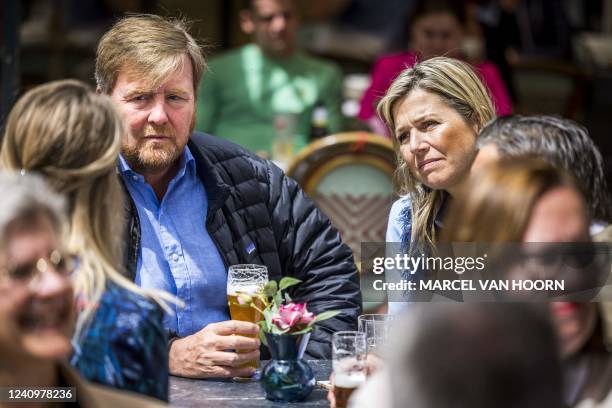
x=376, y=328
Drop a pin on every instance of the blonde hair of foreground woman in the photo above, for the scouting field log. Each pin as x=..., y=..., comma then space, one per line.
x=72, y=136
x=495, y=205
x=461, y=88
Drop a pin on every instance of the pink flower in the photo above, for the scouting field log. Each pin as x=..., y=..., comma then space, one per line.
x=307, y=318
x=291, y=315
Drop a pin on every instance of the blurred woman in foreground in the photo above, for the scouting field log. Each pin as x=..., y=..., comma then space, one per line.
x=36, y=299
x=71, y=136
x=527, y=200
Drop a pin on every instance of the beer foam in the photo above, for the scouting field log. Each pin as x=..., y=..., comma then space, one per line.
x=234, y=290
x=349, y=380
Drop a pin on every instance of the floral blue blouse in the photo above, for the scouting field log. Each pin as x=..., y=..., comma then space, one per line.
x=125, y=345
x=399, y=229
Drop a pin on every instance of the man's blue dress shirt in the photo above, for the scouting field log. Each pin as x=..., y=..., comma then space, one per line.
x=176, y=252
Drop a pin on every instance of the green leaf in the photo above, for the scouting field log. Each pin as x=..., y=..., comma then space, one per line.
x=262, y=337
x=288, y=281
x=278, y=299
x=304, y=330
x=324, y=316
x=270, y=288
x=287, y=298
x=268, y=317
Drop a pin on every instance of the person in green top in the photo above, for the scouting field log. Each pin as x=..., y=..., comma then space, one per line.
x=246, y=90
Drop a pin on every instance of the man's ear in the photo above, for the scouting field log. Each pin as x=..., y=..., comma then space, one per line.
x=246, y=22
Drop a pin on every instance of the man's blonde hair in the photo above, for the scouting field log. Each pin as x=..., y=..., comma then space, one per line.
x=461, y=88
x=152, y=46
x=71, y=136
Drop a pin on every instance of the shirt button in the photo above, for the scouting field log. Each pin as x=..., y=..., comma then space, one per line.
x=135, y=178
x=175, y=257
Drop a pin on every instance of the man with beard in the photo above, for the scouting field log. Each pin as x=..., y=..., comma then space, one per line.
x=199, y=204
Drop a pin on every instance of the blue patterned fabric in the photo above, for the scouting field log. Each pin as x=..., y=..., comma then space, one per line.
x=399, y=229
x=401, y=220
x=125, y=345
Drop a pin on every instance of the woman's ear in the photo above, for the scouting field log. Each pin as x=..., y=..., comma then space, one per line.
x=246, y=22
x=477, y=125
x=476, y=128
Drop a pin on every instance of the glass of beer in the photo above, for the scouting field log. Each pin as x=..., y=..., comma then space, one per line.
x=349, y=364
x=376, y=328
x=248, y=280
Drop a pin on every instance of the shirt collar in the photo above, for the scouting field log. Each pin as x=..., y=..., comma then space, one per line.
x=186, y=162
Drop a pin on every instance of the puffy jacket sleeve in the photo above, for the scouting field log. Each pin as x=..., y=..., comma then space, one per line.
x=310, y=249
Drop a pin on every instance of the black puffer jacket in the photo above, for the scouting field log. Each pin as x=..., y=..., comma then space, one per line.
x=253, y=203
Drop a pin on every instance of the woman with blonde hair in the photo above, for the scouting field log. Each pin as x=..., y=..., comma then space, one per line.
x=71, y=136
x=528, y=200
x=434, y=110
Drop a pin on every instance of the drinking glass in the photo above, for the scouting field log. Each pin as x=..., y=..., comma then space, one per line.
x=285, y=126
x=246, y=279
x=376, y=328
x=349, y=364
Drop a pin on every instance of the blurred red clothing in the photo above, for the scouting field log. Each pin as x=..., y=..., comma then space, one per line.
x=388, y=67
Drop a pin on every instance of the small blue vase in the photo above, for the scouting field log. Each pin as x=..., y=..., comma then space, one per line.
x=287, y=377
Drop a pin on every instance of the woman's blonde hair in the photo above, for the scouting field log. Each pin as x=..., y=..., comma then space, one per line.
x=72, y=137
x=495, y=205
x=461, y=88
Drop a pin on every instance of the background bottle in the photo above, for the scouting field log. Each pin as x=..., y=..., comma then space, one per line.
x=319, y=122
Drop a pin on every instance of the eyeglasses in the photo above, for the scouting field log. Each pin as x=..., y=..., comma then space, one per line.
x=26, y=273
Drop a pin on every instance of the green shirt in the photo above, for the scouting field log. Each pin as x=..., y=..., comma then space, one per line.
x=244, y=90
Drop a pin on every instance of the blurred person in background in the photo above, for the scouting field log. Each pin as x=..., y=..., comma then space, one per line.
x=528, y=200
x=517, y=30
x=357, y=29
x=561, y=142
x=476, y=355
x=246, y=90
x=69, y=135
x=199, y=204
x=434, y=110
x=37, y=310
x=436, y=29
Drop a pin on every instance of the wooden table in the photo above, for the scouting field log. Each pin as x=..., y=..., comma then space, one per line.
x=185, y=392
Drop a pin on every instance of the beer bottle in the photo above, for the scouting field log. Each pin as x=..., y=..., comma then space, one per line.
x=319, y=122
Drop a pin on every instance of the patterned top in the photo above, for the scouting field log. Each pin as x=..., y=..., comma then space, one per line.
x=399, y=230
x=125, y=345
